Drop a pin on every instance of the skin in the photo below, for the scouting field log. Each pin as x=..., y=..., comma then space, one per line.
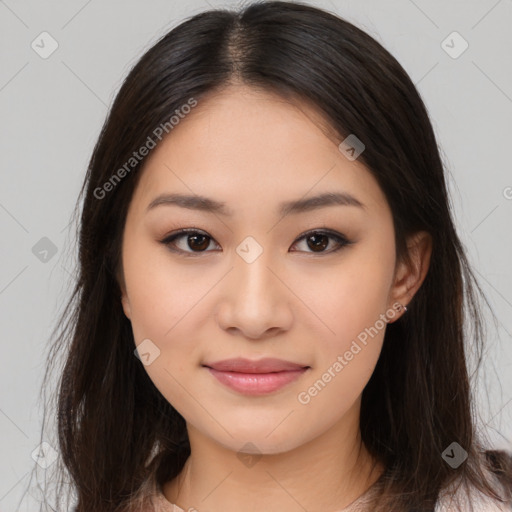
x=253, y=150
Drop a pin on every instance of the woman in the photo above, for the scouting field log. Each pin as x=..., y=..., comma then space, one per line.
x=271, y=294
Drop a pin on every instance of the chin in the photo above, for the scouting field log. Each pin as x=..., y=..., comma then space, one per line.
x=260, y=443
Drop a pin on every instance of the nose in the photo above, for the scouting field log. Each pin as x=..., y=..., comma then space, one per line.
x=255, y=301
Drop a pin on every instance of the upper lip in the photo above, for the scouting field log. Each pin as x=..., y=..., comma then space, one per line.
x=266, y=365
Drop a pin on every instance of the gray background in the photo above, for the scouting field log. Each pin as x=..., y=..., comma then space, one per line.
x=52, y=111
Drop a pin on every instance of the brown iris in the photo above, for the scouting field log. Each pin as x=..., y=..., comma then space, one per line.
x=201, y=246
x=321, y=241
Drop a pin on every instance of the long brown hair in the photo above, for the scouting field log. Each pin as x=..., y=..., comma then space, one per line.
x=116, y=433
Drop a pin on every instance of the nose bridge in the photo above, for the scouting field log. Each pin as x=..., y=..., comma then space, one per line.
x=252, y=268
x=254, y=301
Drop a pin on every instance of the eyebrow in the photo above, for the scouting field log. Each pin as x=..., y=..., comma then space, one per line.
x=202, y=203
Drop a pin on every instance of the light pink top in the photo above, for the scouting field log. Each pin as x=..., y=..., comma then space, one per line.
x=161, y=504
x=479, y=502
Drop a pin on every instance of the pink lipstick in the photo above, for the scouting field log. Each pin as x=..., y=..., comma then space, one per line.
x=255, y=377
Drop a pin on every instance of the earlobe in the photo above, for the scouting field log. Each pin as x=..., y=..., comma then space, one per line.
x=412, y=272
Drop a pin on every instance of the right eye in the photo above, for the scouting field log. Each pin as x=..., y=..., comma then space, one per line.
x=197, y=241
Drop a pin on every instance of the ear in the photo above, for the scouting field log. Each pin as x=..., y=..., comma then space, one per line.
x=124, y=296
x=410, y=273
x=126, y=305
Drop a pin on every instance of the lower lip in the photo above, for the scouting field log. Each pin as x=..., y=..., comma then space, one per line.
x=256, y=383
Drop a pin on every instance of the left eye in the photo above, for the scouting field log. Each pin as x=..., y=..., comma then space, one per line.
x=199, y=241
x=320, y=240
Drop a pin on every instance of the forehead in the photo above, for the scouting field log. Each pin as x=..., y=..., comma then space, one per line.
x=241, y=144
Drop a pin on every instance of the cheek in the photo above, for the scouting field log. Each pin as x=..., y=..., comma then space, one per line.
x=167, y=309
x=352, y=305
x=164, y=304
x=353, y=299
x=346, y=359
x=160, y=294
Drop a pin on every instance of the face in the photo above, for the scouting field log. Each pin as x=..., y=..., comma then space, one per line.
x=309, y=285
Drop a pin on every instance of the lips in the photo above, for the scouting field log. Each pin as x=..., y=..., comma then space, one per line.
x=255, y=377
x=266, y=365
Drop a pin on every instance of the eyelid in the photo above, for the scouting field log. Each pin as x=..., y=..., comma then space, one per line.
x=339, y=238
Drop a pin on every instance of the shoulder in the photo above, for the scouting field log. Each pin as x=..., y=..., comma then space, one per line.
x=161, y=504
x=459, y=497
x=152, y=499
x=474, y=501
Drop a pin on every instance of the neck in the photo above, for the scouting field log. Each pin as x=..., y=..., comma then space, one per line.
x=326, y=473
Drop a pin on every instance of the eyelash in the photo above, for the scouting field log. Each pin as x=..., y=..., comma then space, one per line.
x=168, y=240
